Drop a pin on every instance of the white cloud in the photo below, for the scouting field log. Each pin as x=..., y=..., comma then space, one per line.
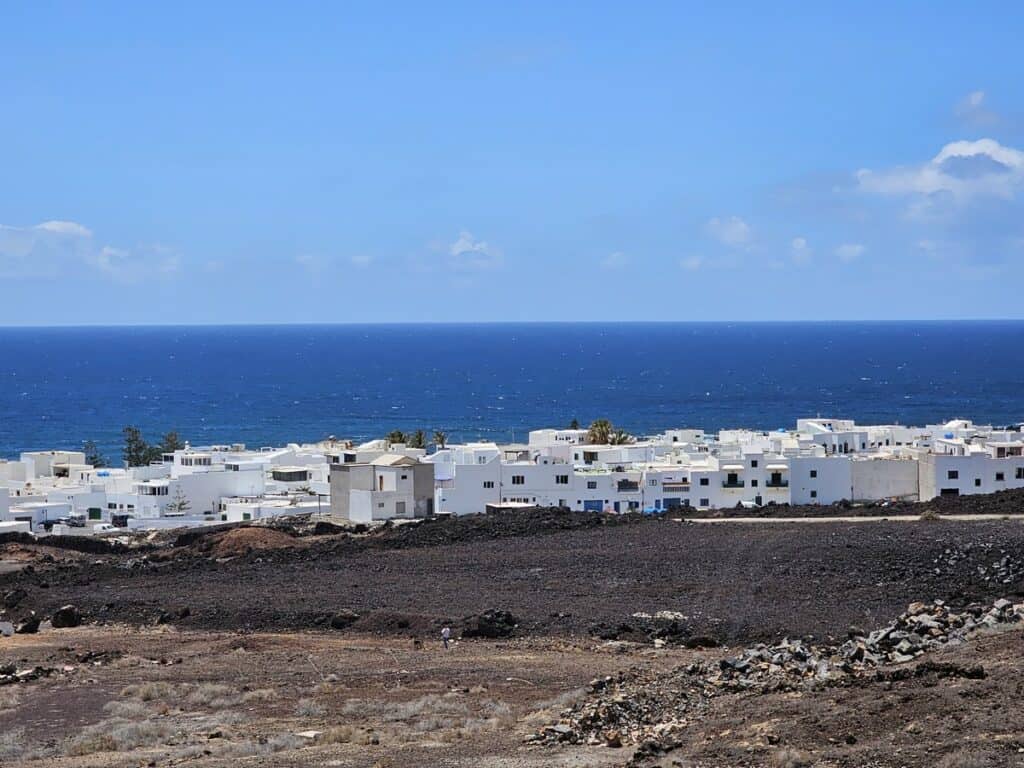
x=800, y=251
x=469, y=253
x=310, y=262
x=43, y=250
x=361, y=260
x=691, y=263
x=849, y=252
x=616, y=260
x=732, y=231
x=972, y=110
x=67, y=249
x=971, y=102
x=962, y=171
x=71, y=228
x=132, y=265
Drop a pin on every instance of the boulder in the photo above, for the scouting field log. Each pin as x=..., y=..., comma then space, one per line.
x=343, y=619
x=490, y=624
x=175, y=614
x=66, y=616
x=13, y=597
x=28, y=626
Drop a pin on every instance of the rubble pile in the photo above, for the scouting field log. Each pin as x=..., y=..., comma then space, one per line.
x=921, y=628
x=10, y=674
x=630, y=708
x=638, y=706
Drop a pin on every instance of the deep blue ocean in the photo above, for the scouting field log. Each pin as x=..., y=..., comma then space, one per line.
x=265, y=385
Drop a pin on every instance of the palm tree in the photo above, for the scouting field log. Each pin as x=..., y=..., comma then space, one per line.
x=620, y=437
x=574, y=424
x=396, y=436
x=440, y=439
x=599, y=432
x=418, y=439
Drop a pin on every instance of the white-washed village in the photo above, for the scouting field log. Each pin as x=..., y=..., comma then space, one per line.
x=820, y=461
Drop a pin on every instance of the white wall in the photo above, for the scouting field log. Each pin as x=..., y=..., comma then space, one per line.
x=877, y=479
x=834, y=480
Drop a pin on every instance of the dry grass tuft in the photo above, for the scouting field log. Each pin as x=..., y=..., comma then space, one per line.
x=117, y=735
x=12, y=744
x=202, y=695
x=449, y=716
x=127, y=710
x=308, y=708
x=964, y=759
x=339, y=734
x=284, y=742
x=153, y=691
x=791, y=758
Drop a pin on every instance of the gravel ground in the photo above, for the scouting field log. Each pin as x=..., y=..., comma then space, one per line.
x=733, y=583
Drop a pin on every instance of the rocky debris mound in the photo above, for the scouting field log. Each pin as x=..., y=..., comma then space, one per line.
x=644, y=708
x=66, y=616
x=241, y=541
x=920, y=629
x=630, y=707
x=343, y=619
x=172, y=615
x=490, y=624
x=660, y=628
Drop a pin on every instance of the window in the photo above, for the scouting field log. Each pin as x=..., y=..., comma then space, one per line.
x=591, y=484
x=1020, y=473
x=952, y=474
x=518, y=480
x=705, y=502
x=1000, y=477
x=977, y=482
x=488, y=483
x=753, y=463
x=704, y=481
x=814, y=494
x=561, y=479
x=652, y=482
x=814, y=473
x=753, y=483
x=405, y=477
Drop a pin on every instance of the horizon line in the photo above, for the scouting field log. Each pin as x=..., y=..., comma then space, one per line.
x=426, y=323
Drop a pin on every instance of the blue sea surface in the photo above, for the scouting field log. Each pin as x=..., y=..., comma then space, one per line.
x=266, y=385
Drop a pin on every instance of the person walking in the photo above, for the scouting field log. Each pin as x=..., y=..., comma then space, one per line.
x=446, y=634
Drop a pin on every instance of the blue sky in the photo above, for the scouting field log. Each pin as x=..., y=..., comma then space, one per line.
x=343, y=162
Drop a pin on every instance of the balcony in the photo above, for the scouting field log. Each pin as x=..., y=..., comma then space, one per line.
x=777, y=484
x=675, y=487
x=628, y=486
x=733, y=483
